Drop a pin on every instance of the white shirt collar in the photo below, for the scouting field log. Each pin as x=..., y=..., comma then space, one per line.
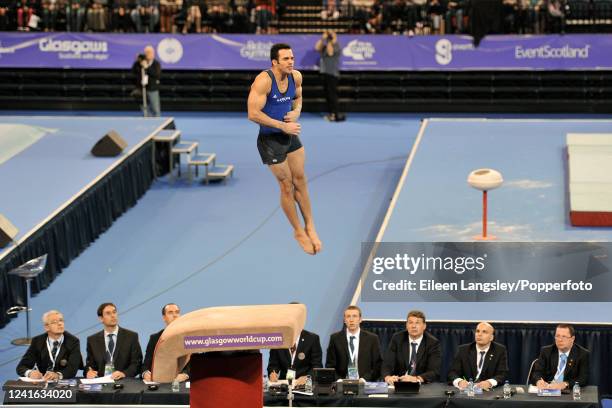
x=115, y=332
x=417, y=341
x=478, y=350
x=60, y=339
x=349, y=334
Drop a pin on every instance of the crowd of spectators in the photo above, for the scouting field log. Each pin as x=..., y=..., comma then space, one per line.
x=166, y=16
x=410, y=17
x=418, y=17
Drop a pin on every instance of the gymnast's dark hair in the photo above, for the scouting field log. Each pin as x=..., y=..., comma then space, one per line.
x=276, y=48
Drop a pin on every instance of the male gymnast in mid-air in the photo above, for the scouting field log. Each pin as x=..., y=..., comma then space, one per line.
x=275, y=103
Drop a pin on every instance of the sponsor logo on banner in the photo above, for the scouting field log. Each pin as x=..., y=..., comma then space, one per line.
x=548, y=52
x=170, y=50
x=444, y=51
x=361, y=52
x=75, y=49
x=256, y=50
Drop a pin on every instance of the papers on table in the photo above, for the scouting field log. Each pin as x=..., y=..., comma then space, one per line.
x=98, y=380
x=31, y=380
x=303, y=392
x=549, y=393
x=375, y=388
x=543, y=392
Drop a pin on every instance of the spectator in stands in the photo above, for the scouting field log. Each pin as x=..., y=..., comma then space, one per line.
x=122, y=10
x=330, y=10
x=435, y=12
x=113, y=351
x=556, y=16
x=413, y=355
x=194, y=16
x=455, y=12
x=49, y=15
x=541, y=14
x=6, y=7
x=394, y=16
x=510, y=11
x=329, y=67
x=218, y=14
x=75, y=14
x=562, y=364
x=240, y=16
x=53, y=355
x=97, y=15
x=360, y=11
x=147, y=71
x=524, y=17
x=264, y=11
x=25, y=10
x=421, y=12
x=354, y=349
x=170, y=312
x=146, y=15
x=168, y=10
x=375, y=20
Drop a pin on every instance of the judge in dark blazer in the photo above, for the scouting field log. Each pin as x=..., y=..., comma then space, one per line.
x=113, y=345
x=54, y=355
x=170, y=312
x=561, y=365
x=483, y=361
x=401, y=364
x=366, y=348
x=302, y=357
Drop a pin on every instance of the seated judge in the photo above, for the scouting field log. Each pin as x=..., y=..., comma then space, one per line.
x=354, y=347
x=53, y=355
x=562, y=364
x=413, y=355
x=113, y=347
x=170, y=312
x=302, y=358
x=483, y=360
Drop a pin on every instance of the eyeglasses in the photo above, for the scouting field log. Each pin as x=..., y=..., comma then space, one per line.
x=56, y=321
x=557, y=336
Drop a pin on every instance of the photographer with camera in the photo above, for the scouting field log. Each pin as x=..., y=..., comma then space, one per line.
x=147, y=71
x=329, y=67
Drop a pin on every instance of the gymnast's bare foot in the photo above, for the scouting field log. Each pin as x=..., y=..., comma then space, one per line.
x=304, y=241
x=316, y=242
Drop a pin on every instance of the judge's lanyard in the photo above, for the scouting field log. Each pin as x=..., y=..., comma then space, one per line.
x=108, y=353
x=353, y=354
x=51, y=356
x=294, y=353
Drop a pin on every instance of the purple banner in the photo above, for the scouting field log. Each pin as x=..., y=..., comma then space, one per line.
x=359, y=52
x=233, y=340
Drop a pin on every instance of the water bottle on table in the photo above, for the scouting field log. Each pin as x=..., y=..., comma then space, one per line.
x=470, y=388
x=507, y=390
x=308, y=385
x=576, y=392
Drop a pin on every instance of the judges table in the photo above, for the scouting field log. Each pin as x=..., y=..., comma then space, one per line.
x=134, y=392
